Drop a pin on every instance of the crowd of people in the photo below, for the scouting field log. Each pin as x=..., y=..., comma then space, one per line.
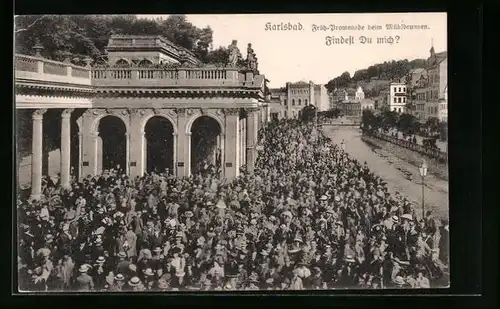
x=308, y=217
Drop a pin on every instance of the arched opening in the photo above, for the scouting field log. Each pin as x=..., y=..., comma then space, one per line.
x=113, y=142
x=160, y=145
x=51, y=144
x=145, y=63
x=206, y=144
x=121, y=63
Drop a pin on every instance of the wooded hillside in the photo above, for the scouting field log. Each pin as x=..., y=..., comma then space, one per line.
x=77, y=36
x=386, y=71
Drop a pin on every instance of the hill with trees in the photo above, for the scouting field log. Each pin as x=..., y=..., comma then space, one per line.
x=376, y=76
x=78, y=36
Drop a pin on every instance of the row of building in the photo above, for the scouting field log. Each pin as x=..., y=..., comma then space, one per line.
x=288, y=101
x=422, y=93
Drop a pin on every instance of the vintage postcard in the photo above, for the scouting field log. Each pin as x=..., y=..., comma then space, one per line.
x=231, y=152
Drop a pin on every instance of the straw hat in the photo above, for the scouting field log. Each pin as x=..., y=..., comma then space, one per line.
x=83, y=269
x=399, y=280
x=122, y=254
x=188, y=214
x=119, y=277
x=101, y=260
x=148, y=272
x=350, y=259
x=323, y=198
x=407, y=217
x=395, y=219
x=157, y=249
x=134, y=281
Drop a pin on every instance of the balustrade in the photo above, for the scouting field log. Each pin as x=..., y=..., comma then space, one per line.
x=24, y=63
x=431, y=152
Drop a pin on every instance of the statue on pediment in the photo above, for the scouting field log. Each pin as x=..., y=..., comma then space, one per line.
x=234, y=53
x=251, y=58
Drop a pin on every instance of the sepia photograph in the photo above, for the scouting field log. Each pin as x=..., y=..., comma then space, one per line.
x=260, y=152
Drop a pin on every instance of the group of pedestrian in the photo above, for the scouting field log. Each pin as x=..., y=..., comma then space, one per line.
x=308, y=216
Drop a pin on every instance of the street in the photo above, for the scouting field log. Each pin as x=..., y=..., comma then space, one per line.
x=395, y=171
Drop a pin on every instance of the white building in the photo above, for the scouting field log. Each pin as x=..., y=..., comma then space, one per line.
x=396, y=100
x=360, y=94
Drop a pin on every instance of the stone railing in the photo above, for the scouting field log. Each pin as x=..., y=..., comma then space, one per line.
x=430, y=152
x=44, y=69
x=203, y=76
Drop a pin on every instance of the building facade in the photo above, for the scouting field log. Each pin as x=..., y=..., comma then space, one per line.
x=396, y=99
x=437, y=102
x=142, y=111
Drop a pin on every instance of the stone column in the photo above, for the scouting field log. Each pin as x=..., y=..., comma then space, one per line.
x=37, y=154
x=91, y=157
x=187, y=157
x=66, y=148
x=127, y=154
x=137, y=144
x=174, y=143
x=232, y=150
x=251, y=143
x=182, y=144
x=80, y=154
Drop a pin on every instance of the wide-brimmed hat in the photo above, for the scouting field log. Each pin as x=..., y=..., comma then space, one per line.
x=323, y=198
x=407, y=217
x=83, y=268
x=49, y=238
x=101, y=259
x=148, y=272
x=298, y=238
x=157, y=249
x=134, y=281
x=162, y=284
x=287, y=214
x=188, y=214
x=122, y=254
x=399, y=280
x=350, y=259
x=264, y=253
x=209, y=203
x=395, y=219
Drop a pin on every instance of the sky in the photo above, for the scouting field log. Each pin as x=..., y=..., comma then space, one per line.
x=303, y=55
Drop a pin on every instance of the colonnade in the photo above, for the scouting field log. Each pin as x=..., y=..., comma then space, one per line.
x=237, y=140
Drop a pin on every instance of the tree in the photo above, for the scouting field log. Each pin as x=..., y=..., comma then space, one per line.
x=369, y=121
x=389, y=119
x=408, y=124
x=308, y=113
x=87, y=35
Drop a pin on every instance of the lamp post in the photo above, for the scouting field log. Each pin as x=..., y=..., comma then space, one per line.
x=423, y=172
x=342, y=145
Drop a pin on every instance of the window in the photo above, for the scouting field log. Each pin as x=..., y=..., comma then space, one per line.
x=404, y=89
x=399, y=110
x=305, y=103
x=286, y=102
x=399, y=100
x=293, y=102
x=395, y=100
x=399, y=89
x=404, y=99
x=300, y=102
